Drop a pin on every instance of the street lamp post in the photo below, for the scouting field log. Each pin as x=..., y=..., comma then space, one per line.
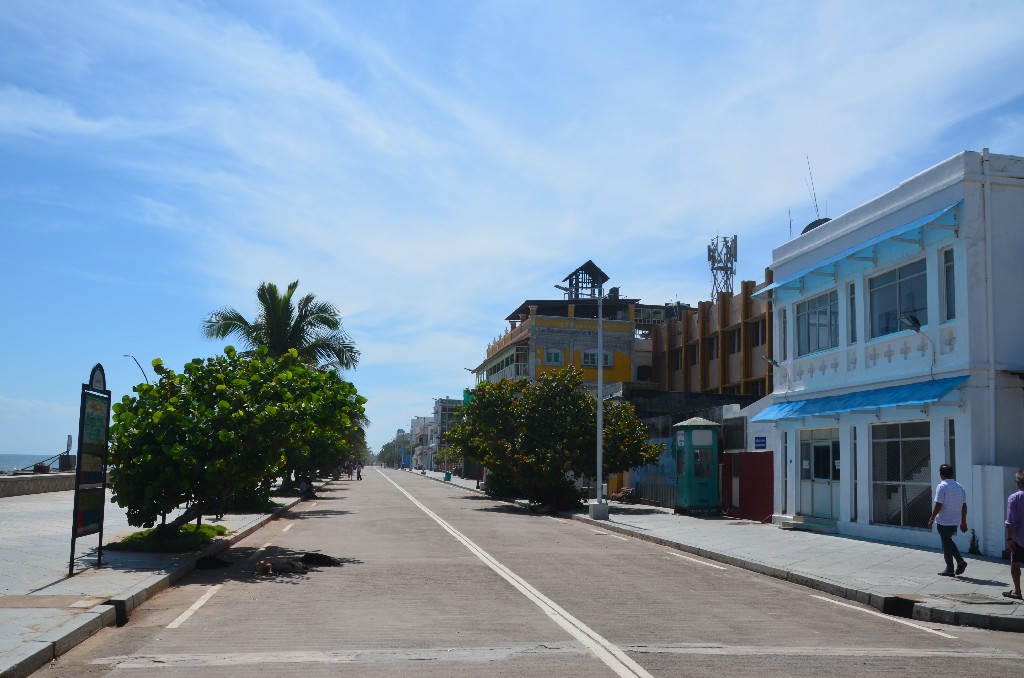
x=144, y=376
x=599, y=509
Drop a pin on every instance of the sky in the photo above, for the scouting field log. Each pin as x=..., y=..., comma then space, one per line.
x=428, y=166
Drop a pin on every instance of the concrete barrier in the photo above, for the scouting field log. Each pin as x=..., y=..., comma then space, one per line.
x=37, y=483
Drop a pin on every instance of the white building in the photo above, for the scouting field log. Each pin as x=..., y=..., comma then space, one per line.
x=899, y=335
x=422, y=456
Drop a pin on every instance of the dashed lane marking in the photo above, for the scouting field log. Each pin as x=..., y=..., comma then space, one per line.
x=257, y=552
x=195, y=606
x=694, y=560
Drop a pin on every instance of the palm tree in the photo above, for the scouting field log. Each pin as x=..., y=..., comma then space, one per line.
x=311, y=327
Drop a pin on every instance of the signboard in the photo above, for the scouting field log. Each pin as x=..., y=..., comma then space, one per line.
x=760, y=442
x=91, y=474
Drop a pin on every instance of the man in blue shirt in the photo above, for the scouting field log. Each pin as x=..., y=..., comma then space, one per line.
x=950, y=510
x=1015, y=534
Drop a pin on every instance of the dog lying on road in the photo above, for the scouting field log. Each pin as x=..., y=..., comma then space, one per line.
x=283, y=565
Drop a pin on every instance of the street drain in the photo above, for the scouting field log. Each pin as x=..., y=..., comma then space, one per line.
x=898, y=607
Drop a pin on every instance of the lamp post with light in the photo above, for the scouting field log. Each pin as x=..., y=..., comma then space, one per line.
x=144, y=375
x=599, y=509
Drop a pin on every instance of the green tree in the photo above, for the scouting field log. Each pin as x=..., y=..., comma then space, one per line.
x=557, y=438
x=392, y=451
x=225, y=425
x=536, y=439
x=624, y=443
x=488, y=431
x=311, y=327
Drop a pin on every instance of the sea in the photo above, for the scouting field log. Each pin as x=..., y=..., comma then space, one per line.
x=17, y=462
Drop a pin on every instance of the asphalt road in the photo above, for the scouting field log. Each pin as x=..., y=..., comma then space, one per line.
x=438, y=581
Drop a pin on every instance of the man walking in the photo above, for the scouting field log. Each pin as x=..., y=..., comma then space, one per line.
x=950, y=510
x=1015, y=534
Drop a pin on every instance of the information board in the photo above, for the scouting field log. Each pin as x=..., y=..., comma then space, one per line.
x=91, y=473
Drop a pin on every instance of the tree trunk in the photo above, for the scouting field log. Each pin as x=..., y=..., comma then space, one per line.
x=193, y=512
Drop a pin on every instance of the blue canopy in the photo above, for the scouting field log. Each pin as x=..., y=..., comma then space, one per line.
x=889, y=396
x=939, y=217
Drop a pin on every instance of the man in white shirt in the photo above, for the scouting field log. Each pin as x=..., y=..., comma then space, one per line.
x=950, y=510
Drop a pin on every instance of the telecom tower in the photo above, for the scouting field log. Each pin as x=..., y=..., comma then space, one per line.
x=722, y=258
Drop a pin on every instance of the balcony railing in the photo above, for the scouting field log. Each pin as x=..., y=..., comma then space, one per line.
x=522, y=331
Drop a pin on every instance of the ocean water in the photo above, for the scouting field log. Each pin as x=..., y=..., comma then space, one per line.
x=13, y=462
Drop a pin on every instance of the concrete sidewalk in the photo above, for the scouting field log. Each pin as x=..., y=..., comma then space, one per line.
x=895, y=579
x=44, y=612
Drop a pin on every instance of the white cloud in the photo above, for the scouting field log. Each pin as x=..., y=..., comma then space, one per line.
x=428, y=168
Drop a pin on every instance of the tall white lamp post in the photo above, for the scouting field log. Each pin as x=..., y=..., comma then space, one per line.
x=599, y=509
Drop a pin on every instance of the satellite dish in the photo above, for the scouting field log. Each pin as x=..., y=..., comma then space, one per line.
x=814, y=224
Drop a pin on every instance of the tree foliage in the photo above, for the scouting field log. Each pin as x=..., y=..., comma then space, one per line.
x=536, y=439
x=392, y=451
x=311, y=327
x=225, y=425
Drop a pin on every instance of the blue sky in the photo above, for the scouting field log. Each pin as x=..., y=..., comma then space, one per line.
x=427, y=166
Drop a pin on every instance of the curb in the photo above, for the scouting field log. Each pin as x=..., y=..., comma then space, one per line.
x=34, y=654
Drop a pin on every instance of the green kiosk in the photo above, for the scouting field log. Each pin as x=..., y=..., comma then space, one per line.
x=696, y=449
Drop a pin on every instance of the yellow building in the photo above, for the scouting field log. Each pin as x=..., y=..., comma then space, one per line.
x=546, y=335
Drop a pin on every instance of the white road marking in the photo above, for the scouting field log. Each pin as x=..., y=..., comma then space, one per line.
x=195, y=606
x=617, y=660
x=257, y=552
x=694, y=560
x=288, y=527
x=377, y=657
x=885, y=616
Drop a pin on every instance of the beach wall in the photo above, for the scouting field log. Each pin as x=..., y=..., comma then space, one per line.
x=37, y=483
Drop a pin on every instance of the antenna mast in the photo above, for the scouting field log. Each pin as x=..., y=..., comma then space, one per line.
x=810, y=189
x=722, y=258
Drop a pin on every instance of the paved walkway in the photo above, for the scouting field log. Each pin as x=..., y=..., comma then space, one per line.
x=43, y=612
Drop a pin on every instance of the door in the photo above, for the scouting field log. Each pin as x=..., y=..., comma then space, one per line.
x=819, y=475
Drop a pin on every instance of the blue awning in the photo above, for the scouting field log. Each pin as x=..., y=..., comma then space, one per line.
x=889, y=396
x=943, y=216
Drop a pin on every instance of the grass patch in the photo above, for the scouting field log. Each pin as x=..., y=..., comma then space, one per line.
x=187, y=538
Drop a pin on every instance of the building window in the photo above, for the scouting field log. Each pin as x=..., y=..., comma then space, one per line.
x=553, y=356
x=732, y=339
x=757, y=333
x=948, y=286
x=711, y=348
x=851, y=313
x=590, y=359
x=853, y=472
x=901, y=292
x=951, y=444
x=817, y=323
x=677, y=359
x=691, y=350
x=783, y=335
x=901, y=474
